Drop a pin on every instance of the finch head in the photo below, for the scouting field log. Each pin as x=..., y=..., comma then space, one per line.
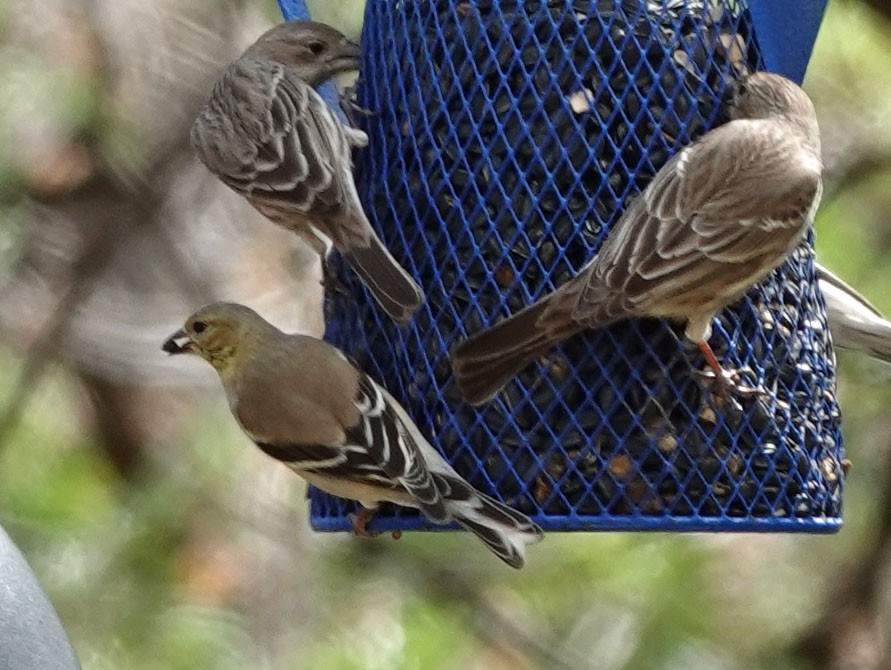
x=763, y=95
x=315, y=50
x=221, y=333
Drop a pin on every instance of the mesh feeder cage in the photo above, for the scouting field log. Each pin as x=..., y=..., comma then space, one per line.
x=506, y=137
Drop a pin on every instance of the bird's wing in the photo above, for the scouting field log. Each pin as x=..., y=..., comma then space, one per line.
x=389, y=439
x=270, y=136
x=722, y=213
x=378, y=451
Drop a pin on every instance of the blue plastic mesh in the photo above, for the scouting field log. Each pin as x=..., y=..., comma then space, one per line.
x=506, y=138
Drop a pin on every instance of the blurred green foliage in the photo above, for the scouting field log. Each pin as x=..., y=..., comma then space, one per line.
x=128, y=566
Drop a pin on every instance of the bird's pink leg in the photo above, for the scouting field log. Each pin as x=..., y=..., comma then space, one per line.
x=725, y=380
x=361, y=520
x=710, y=358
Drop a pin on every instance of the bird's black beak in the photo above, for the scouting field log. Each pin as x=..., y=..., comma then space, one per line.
x=726, y=106
x=729, y=94
x=346, y=58
x=178, y=343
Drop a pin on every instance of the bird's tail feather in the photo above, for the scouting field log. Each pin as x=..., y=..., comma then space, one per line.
x=505, y=531
x=873, y=338
x=486, y=361
x=854, y=322
x=393, y=288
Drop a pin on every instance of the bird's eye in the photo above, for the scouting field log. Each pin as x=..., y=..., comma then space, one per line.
x=315, y=48
x=199, y=326
x=741, y=89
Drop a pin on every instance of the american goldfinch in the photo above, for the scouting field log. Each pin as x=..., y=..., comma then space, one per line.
x=270, y=137
x=302, y=402
x=716, y=219
x=854, y=323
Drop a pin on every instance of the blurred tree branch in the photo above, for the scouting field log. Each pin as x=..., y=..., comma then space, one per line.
x=492, y=622
x=852, y=631
x=518, y=644
x=106, y=213
x=863, y=166
x=108, y=205
x=882, y=7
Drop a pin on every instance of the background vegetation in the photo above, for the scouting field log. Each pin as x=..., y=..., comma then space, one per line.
x=166, y=541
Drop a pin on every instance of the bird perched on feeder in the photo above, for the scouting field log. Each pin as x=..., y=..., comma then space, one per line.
x=716, y=219
x=269, y=136
x=303, y=403
x=854, y=323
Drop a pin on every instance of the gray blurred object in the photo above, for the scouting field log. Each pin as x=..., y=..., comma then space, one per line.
x=853, y=321
x=31, y=635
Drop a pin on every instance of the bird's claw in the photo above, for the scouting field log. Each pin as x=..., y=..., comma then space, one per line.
x=729, y=385
x=351, y=108
x=359, y=109
x=331, y=282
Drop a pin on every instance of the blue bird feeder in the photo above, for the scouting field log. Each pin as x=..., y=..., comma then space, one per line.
x=506, y=138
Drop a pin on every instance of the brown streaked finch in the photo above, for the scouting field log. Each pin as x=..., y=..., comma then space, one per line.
x=303, y=403
x=268, y=135
x=716, y=219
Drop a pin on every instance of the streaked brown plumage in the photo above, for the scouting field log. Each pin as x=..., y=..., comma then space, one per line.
x=268, y=135
x=716, y=219
x=302, y=402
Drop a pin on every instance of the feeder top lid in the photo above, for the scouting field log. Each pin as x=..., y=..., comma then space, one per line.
x=786, y=31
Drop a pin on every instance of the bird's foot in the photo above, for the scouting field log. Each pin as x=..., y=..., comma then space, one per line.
x=725, y=384
x=331, y=282
x=729, y=385
x=360, y=522
x=336, y=296
x=351, y=108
